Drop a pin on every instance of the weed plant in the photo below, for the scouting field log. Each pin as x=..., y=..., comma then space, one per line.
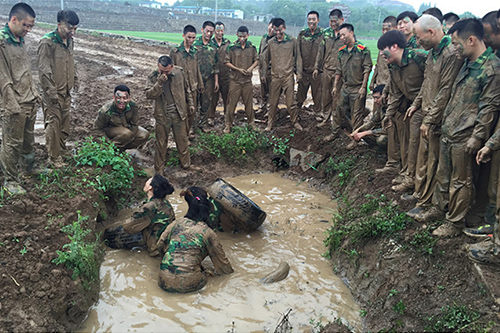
x=341, y=166
x=454, y=318
x=423, y=242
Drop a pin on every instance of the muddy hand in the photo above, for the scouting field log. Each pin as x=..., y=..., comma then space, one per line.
x=483, y=155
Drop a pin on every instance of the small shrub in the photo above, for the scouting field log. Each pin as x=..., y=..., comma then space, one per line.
x=423, y=242
x=341, y=166
x=279, y=145
x=399, y=307
x=453, y=318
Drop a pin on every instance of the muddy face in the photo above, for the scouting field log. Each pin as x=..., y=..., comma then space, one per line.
x=405, y=25
x=20, y=28
x=459, y=45
x=386, y=27
x=121, y=99
x=346, y=36
x=279, y=32
x=242, y=38
x=66, y=30
x=207, y=33
x=219, y=31
x=189, y=38
x=312, y=21
x=336, y=22
x=424, y=38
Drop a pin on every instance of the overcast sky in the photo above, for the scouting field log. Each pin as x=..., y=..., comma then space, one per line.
x=478, y=7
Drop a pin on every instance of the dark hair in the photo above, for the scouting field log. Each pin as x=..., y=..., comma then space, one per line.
x=242, y=29
x=491, y=20
x=278, y=21
x=379, y=89
x=271, y=21
x=390, y=38
x=68, y=16
x=161, y=187
x=188, y=28
x=348, y=26
x=336, y=12
x=392, y=20
x=165, y=60
x=451, y=17
x=220, y=23
x=468, y=27
x=434, y=11
x=21, y=10
x=199, y=206
x=313, y=12
x=412, y=15
x=122, y=87
x=209, y=24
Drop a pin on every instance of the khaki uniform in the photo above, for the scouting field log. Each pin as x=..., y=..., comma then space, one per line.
x=326, y=63
x=240, y=85
x=208, y=61
x=224, y=78
x=441, y=69
x=404, y=87
x=57, y=72
x=120, y=127
x=186, y=243
x=152, y=218
x=285, y=60
x=309, y=44
x=472, y=112
x=264, y=87
x=19, y=96
x=375, y=125
x=353, y=65
x=172, y=100
x=189, y=62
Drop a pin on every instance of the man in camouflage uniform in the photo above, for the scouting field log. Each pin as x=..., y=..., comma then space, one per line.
x=405, y=25
x=57, y=72
x=326, y=63
x=468, y=121
x=184, y=55
x=222, y=44
x=118, y=121
x=241, y=59
x=284, y=54
x=19, y=96
x=265, y=81
x=208, y=60
x=355, y=65
x=441, y=69
x=309, y=40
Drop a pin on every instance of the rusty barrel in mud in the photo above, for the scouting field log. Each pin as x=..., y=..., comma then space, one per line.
x=236, y=204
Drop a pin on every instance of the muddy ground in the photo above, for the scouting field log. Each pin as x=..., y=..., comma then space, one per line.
x=38, y=295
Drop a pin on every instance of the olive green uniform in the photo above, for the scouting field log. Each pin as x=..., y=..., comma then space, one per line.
x=152, y=218
x=375, y=125
x=224, y=78
x=121, y=127
x=186, y=243
x=240, y=85
x=19, y=97
x=309, y=44
x=264, y=86
x=172, y=101
x=472, y=112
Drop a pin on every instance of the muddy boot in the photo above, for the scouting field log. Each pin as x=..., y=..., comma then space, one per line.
x=297, y=126
x=488, y=257
x=398, y=180
x=415, y=211
x=408, y=198
x=431, y=214
x=57, y=163
x=227, y=130
x=447, y=229
x=406, y=185
x=13, y=188
x=386, y=169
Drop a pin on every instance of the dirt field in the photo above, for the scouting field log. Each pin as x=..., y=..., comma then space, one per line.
x=37, y=295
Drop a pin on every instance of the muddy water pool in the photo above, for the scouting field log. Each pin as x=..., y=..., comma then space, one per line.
x=130, y=299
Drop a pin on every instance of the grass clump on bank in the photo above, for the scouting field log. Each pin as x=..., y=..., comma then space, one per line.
x=455, y=318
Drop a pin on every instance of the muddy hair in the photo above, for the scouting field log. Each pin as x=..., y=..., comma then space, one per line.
x=67, y=16
x=199, y=206
x=161, y=187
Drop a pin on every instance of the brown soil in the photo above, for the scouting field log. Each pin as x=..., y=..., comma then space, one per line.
x=37, y=295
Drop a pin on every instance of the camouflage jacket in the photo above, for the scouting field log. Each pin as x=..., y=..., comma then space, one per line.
x=441, y=69
x=16, y=83
x=309, y=44
x=208, y=57
x=186, y=243
x=354, y=64
x=475, y=100
x=152, y=218
x=189, y=62
x=381, y=73
x=406, y=79
x=56, y=65
x=241, y=58
x=375, y=122
x=224, y=72
x=328, y=51
x=284, y=57
x=412, y=43
x=109, y=116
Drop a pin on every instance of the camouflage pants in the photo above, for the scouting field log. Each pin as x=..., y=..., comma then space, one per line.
x=286, y=85
x=328, y=102
x=223, y=91
x=264, y=90
x=17, y=141
x=124, y=138
x=351, y=110
x=181, y=283
x=190, y=118
x=303, y=86
x=206, y=100
x=414, y=142
x=427, y=163
x=245, y=90
x=393, y=149
x=56, y=118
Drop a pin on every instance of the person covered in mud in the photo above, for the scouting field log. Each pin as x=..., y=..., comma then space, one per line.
x=118, y=120
x=19, y=98
x=57, y=72
x=186, y=242
x=155, y=214
x=265, y=76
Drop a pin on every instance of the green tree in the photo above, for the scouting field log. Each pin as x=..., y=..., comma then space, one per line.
x=423, y=6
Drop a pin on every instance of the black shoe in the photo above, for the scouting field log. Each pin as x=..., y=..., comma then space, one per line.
x=415, y=211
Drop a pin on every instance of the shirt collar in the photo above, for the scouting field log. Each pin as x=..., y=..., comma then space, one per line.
x=480, y=60
x=445, y=41
x=11, y=38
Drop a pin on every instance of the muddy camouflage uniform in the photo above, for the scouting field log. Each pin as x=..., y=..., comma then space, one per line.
x=172, y=101
x=309, y=44
x=189, y=63
x=224, y=78
x=120, y=127
x=19, y=96
x=375, y=125
x=412, y=43
x=185, y=243
x=152, y=218
x=441, y=69
x=240, y=85
x=285, y=60
x=353, y=65
x=326, y=63
x=208, y=61
x=264, y=87
x=472, y=112
x=57, y=72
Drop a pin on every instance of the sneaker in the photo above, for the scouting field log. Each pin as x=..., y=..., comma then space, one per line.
x=386, y=169
x=484, y=245
x=481, y=232
x=488, y=257
x=415, y=211
x=431, y=214
x=13, y=188
x=297, y=126
x=447, y=229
